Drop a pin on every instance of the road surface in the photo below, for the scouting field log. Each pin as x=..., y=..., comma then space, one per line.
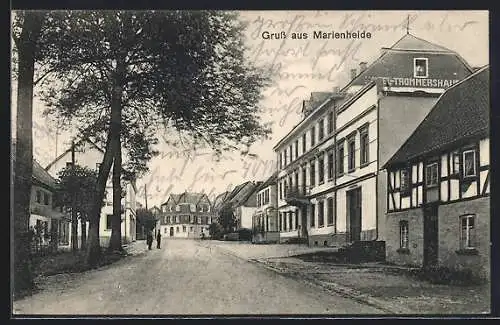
x=185, y=278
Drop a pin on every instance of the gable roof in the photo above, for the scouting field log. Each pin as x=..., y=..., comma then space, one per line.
x=187, y=197
x=411, y=45
x=461, y=112
x=221, y=198
x=410, y=42
x=42, y=176
x=270, y=181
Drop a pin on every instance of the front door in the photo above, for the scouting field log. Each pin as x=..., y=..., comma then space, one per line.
x=171, y=231
x=430, y=235
x=354, y=214
x=303, y=221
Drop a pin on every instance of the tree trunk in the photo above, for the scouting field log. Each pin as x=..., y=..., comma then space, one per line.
x=23, y=167
x=112, y=145
x=83, y=223
x=116, y=228
x=74, y=232
x=115, y=242
x=94, y=246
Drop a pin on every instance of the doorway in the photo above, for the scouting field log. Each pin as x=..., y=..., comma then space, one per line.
x=171, y=231
x=354, y=214
x=430, y=235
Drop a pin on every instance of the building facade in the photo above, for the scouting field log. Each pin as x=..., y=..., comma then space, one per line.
x=265, y=219
x=330, y=187
x=88, y=154
x=49, y=223
x=438, y=185
x=186, y=215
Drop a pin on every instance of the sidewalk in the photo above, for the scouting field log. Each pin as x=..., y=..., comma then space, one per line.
x=389, y=288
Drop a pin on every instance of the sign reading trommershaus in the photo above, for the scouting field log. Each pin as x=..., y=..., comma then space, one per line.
x=417, y=82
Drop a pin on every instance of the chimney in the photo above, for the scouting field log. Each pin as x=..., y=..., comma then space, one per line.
x=362, y=66
x=353, y=73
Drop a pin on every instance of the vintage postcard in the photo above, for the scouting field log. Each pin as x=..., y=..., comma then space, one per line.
x=258, y=163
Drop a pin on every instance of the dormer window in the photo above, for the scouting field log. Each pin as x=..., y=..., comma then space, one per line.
x=420, y=67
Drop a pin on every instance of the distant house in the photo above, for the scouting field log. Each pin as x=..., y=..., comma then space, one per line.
x=265, y=218
x=243, y=201
x=88, y=154
x=186, y=215
x=438, y=193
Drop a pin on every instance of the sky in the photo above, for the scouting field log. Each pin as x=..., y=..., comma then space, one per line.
x=300, y=66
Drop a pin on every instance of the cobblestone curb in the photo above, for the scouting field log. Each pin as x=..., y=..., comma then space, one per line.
x=328, y=286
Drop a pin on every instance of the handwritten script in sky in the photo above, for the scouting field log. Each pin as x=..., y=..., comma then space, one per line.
x=298, y=67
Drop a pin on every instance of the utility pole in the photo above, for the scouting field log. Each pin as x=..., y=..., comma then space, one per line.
x=74, y=221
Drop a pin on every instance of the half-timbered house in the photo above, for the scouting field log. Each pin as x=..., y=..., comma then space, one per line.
x=438, y=211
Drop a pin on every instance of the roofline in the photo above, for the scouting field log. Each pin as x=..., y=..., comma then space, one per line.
x=302, y=122
x=387, y=49
x=476, y=135
x=389, y=162
x=358, y=94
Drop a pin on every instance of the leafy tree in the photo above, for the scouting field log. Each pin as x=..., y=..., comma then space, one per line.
x=215, y=230
x=28, y=27
x=78, y=183
x=227, y=219
x=128, y=74
x=146, y=219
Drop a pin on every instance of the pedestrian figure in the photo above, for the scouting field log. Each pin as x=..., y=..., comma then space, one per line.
x=150, y=239
x=158, y=240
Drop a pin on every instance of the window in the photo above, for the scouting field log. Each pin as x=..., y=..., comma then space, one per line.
x=403, y=234
x=321, y=213
x=39, y=196
x=191, y=229
x=330, y=165
x=420, y=67
x=281, y=160
x=296, y=149
x=431, y=175
x=340, y=158
x=177, y=219
x=321, y=129
x=290, y=220
x=304, y=143
x=329, y=204
x=330, y=122
x=285, y=187
x=313, y=136
x=280, y=185
x=165, y=230
x=304, y=177
x=321, y=170
x=296, y=218
x=313, y=173
x=364, y=146
x=351, y=159
x=285, y=157
x=456, y=163
x=46, y=198
x=405, y=182
x=109, y=217
x=183, y=228
x=199, y=220
x=469, y=159
x=313, y=214
x=280, y=221
x=291, y=153
x=467, y=231
x=177, y=229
